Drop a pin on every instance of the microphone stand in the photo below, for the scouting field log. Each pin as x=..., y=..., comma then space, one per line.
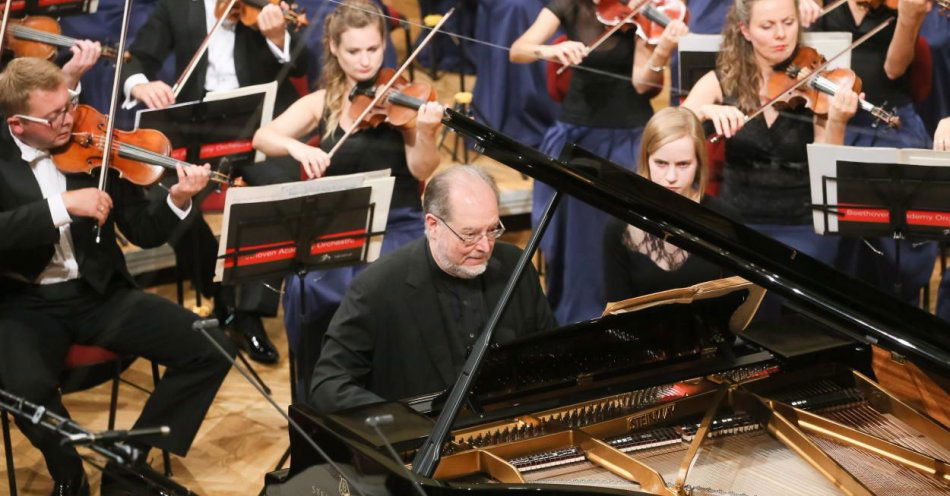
x=202, y=326
x=116, y=451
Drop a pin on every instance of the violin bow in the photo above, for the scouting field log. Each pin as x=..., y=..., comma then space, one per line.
x=381, y=93
x=3, y=23
x=613, y=29
x=832, y=6
x=202, y=48
x=113, y=104
x=801, y=82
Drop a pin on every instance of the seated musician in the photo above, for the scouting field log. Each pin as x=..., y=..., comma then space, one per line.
x=58, y=286
x=237, y=56
x=673, y=155
x=407, y=322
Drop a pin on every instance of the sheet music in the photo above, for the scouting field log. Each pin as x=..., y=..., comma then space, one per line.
x=380, y=181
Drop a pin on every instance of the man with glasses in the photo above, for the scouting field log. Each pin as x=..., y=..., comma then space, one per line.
x=59, y=286
x=408, y=322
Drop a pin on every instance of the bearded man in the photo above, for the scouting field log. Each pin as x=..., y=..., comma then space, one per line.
x=408, y=322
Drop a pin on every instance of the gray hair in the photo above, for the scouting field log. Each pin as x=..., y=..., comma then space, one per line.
x=435, y=200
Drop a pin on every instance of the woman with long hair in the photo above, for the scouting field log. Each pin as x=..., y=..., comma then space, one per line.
x=353, y=44
x=765, y=180
x=604, y=111
x=672, y=155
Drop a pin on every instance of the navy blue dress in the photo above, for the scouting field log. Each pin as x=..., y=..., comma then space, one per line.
x=606, y=116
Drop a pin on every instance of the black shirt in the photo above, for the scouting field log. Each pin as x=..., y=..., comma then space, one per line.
x=867, y=60
x=463, y=309
x=372, y=149
x=593, y=99
x=629, y=273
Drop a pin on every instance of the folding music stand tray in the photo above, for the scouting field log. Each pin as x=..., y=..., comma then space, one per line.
x=880, y=192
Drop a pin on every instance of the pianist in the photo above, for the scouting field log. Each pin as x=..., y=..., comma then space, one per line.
x=673, y=155
x=407, y=323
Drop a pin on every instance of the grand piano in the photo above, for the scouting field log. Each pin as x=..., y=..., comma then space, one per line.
x=844, y=393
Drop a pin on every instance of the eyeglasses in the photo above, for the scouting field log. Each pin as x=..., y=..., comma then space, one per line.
x=473, y=239
x=57, y=119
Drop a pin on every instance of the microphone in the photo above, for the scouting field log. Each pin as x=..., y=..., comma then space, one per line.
x=114, y=436
x=375, y=420
x=201, y=324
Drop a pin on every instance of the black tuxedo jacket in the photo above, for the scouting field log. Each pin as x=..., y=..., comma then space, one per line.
x=388, y=341
x=179, y=26
x=28, y=236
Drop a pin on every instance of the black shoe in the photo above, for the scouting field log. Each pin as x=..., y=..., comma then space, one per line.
x=251, y=331
x=78, y=486
x=138, y=480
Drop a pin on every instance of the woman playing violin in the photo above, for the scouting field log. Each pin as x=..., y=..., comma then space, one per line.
x=766, y=174
x=603, y=113
x=353, y=44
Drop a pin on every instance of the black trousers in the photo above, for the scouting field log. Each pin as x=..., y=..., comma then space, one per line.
x=38, y=326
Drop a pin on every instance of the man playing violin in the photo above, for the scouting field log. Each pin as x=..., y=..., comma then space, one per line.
x=59, y=287
x=238, y=55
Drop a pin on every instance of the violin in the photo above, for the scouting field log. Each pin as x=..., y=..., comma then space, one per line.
x=40, y=36
x=816, y=94
x=140, y=156
x=400, y=105
x=650, y=21
x=246, y=12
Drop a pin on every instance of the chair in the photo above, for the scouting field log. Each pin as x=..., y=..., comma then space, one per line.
x=395, y=20
x=83, y=368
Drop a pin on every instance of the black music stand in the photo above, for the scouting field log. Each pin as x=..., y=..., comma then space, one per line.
x=293, y=236
x=889, y=196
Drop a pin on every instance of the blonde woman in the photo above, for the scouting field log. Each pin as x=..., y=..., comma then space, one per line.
x=766, y=175
x=673, y=155
x=353, y=44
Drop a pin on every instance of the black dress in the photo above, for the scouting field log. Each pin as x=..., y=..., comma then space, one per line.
x=629, y=273
x=765, y=180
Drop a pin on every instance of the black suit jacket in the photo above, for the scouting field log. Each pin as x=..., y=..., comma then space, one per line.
x=179, y=26
x=388, y=341
x=28, y=236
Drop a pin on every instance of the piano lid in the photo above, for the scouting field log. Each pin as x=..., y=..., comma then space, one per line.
x=854, y=308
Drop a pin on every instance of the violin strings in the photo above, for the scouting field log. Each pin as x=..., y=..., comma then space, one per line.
x=32, y=34
x=136, y=152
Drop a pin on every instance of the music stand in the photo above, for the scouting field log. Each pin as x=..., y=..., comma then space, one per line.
x=880, y=192
x=295, y=228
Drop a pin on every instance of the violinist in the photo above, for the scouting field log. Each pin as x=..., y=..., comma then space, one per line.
x=602, y=113
x=59, y=287
x=883, y=64
x=765, y=180
x=237, y=56
x=353, y=45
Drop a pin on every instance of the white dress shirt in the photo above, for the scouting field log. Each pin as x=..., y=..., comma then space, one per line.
x=221, y=74
x=63, y=266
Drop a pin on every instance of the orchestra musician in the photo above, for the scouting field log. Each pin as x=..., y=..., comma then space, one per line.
x=407, y=322
x=765, y=181
x=58, y=286
x=237, y=56
x=600, y=113
x=883, y=63
x=673, y=155
x=353, y=45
